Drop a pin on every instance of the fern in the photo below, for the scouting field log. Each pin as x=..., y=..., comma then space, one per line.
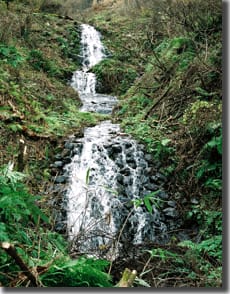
x=16, y=204
x=82, y=272
x=211, y=246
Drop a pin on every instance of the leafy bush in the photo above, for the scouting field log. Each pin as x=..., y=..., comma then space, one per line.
x=70, y=45
x=83, y=272
x=16, y=204
x=10, y=55
x=51, y=6
x=113, y=76
x=40, y=63
x=38, y=247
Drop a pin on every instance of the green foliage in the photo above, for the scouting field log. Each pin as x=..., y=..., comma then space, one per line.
x=162, y=149
x=70, y=45
x=39, y=62
x=17, y=205
x=114, y=76
x=19, y=214
x=164, y=255
x=51, y=6
x=211, y=246
x=180, y=50
x=174, y=44
x=207, y=258
x=134, y=105
x=209, y=171
x=71, y=118
x=10, y=55
x=7, y=2
x=83, y=272
x=149, y=201
x=209, y=221
x=195, y=111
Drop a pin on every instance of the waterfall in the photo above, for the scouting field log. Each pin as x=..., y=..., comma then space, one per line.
x=110, y=176
x=84, y=81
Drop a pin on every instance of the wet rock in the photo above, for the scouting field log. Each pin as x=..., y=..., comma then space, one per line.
x=70, y=146
x=65, y=152
x=58, y=164
x=61, y=179
x=171, y=203
x=151, y=186
x=67, y=160
x=132, y=164
x=161, y=177
x=128, y=145
x=58, y=156
x=148, y=157
x=120, y=189
x=128, y=181
x=116, y=148
x=163, y=195
x=141, y=163
x=141, y=146
x=125, y=171
x=119, y=162
x=128, y=204
x=170, y=211
x=120, y=178
x=147, y=171
x=143, y=179
x=194, y=201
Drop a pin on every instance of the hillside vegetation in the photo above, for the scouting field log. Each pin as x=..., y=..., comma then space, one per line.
x=38, y=110
x=164, y=65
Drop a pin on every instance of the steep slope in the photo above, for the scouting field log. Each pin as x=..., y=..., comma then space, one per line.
x=39, y=53
x=38, y=110
x=165, y=67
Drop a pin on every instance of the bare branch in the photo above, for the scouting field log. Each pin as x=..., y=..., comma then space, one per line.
x=10, y=250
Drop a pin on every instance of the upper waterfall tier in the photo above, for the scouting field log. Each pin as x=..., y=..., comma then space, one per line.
x=92, y=48
x=83, y=81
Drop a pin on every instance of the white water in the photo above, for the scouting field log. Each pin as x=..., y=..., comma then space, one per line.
x=84, y=81
x=107, y=173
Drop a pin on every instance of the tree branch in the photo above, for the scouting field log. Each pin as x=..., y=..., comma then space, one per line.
x=127, y=278
x=10, y=250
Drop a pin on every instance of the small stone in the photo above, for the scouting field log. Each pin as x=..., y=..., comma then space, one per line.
x=163, y=195
x=170, y=211
x=58, y=164
x=171, y=203
x=69, y=145
x=60, y=179
x=148, y=157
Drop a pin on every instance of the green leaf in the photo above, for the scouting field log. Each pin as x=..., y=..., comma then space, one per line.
x=141, y=282
x=165, y=141
x=87, y=176
x=148, y=204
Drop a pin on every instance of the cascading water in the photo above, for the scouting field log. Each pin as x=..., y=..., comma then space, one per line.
x=84, y=81
x=109, y=176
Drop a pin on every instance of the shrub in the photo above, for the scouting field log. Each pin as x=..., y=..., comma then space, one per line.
x=40, y=63
x=10, y=55
x=51, y=6
x=113, y=76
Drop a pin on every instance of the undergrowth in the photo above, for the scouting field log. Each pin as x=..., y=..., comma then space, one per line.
x=164, y=63
x=174, y=107
x=25, y=226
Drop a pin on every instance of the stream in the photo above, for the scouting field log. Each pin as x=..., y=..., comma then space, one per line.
x=114, y=196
